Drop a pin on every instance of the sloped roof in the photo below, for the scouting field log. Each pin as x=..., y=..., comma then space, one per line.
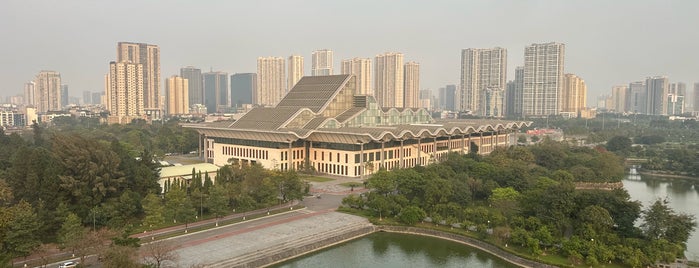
x=313, y=92
x=265, y=118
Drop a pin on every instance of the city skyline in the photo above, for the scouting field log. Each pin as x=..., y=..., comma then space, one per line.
x=599, y=50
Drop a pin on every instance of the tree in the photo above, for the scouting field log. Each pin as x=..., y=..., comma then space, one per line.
x=505, y=199
x=218, y=201
x=661, y=222
x=153, y=208
x=157, y=253
x=620, y=144
x=411, y=215
x=178, y=206
x=71, y=233
x=18, y=230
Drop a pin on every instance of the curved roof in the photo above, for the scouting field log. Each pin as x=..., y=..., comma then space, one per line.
x=364, y=134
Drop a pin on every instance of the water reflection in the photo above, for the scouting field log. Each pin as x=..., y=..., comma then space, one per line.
x=682, y=193
x=398, y=250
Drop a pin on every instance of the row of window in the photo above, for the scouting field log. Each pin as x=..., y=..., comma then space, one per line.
x=245, y=152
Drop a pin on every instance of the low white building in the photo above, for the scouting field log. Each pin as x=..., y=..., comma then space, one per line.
x=175, y=174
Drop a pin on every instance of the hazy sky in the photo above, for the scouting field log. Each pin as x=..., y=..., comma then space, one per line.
x=607, y=42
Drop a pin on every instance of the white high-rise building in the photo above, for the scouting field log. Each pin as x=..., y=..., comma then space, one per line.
x=295, y=71
x=361, y=69
x=322, y=62
x=483, y=81
x=149, y=56
x=125, y=92
x=177, y=91
x=657, y=89
x=543, y=79
x=411, y=86
x=270, y=81
x=47, y=91
x=388, y=80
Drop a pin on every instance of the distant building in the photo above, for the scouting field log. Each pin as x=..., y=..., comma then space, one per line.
x=87, y=97
x=656, y=92
x=47, y=91
x=361, y=69
x=411, y=86
x=426, y=99
x=125, y=93
x=636, y=98
x=447, y=98
x=676, y=98
x=196, y=84
x=696, y=97
x=543, y=79
x=483, y=81
x=388, y=80
x=216, y=91
x=619, y=98
x=270, y=81
x=322, y=62
x=149, y=57
x=295, y=70
x=573, y=97
x=97, y=97
x=64, y=96
x=29, y=93
x=177, y=94
x=243, y=86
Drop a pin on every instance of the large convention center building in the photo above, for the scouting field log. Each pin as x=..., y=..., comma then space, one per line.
x=323, y=125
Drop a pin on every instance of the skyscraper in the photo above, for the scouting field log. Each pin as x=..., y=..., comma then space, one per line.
x=696, y=96
x=656, y=95
x=243, y=86
x=446, y=98
x=295, y=71
x=29, y=93
x=216, y=92
x=388, y=83
x=47, y=91
x=573, y=96
x=676, y=98
x=543, y=79
x=322, y=62
x=483, y=81
x=87, y=97
x=149, y=56
x=361, y=69
x=177, y=91
x=125, y=92
x=426, y=99
x=196, y=84
x=64, y=95
x=270, y=81
x=636, y=98
x=619, y=98
x=411, y=81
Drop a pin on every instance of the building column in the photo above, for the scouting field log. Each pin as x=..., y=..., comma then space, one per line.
x=463, y=143
x=449, y=144
x=361, y=160
x=419, y=151
x=434, y=149
x=288, y=156
x=400, y=164
x=206, y=150
x=383, y=153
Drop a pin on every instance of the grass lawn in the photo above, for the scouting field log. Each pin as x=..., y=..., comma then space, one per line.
x=316, y=179
x=351, y=184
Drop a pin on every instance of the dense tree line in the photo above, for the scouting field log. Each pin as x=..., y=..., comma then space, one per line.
x=77, y=184
x=525, y=196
